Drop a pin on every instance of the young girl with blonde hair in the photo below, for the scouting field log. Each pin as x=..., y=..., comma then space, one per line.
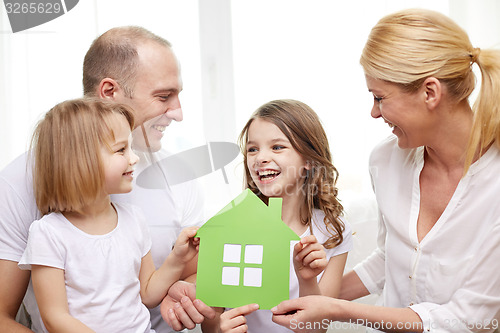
x=92, y=269
x=286, y=155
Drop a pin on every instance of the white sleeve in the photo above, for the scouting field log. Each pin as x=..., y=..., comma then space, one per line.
x=43, y=248
x=475, y=307
x=17, y=209
x=371, y=271
x=139, y=224
x=146, y=236
x=346, y=244
x=193, y=205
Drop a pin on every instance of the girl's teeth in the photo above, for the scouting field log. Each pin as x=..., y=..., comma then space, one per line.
x=268, y=174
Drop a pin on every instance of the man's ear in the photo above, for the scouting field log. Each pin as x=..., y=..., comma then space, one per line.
x=433, y=92
x=108, y=89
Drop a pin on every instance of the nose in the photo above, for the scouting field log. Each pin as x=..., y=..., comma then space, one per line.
x=375, y=112
x=262, y=157
x=133, y=158
x=174, y=111
x=175, y=114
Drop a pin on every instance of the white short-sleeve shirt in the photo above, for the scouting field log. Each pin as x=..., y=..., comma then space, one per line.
x=101, y=272
x=167, y=211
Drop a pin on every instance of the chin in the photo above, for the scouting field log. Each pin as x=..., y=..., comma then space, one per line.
x=272, y=193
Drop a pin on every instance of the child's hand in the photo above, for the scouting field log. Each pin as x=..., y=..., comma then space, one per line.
x=309, y=258
x=234, y=320
x=186, y=246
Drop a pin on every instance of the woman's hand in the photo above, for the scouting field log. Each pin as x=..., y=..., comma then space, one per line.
x=302, y=313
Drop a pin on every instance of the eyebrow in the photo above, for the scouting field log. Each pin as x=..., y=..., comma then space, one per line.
x=120, y=143
x=162, y=91
x=272, y=141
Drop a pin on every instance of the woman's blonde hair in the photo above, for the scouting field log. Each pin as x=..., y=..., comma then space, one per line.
x=301, y=125
x=409, y=46
x=67, y=170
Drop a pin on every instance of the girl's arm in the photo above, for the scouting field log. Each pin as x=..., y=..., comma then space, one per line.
x=50, y=293
x=352, y=288
x=231, y=321
x=331, y=280
x=213, y=325
x=315, y=309
x=309, y=260
x=155, y=283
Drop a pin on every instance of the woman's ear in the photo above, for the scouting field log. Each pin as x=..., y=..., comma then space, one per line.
x=433, y=92
x=108, y=89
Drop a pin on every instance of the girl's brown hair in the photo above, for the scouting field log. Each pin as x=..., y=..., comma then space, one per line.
x=67, y=169
x=301, y=125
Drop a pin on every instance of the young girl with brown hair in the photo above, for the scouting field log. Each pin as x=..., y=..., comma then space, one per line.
x=286, y=155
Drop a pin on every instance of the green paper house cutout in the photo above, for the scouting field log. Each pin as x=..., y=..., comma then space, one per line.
x=244, y=254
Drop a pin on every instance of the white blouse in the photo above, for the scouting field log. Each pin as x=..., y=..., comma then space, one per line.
x=451, y=278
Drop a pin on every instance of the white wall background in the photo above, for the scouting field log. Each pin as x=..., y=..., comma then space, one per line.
x=235, y=56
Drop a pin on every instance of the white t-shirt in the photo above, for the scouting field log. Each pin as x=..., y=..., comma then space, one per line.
x=101, y=272
x=452, y=275
x=260, y=321
x=167, y=211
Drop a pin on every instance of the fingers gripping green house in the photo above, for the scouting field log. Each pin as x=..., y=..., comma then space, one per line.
x=244, y=254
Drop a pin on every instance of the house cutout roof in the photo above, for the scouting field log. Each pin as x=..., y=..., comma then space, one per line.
x=244, y=254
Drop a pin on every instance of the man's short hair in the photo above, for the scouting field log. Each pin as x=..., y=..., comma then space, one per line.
x=114, y=55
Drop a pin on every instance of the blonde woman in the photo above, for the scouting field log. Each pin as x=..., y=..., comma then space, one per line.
x=436, y=181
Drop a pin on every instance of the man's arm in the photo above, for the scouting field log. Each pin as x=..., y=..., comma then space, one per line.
x=13, y=285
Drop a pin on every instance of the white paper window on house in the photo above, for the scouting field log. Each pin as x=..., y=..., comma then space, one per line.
x=233, y=267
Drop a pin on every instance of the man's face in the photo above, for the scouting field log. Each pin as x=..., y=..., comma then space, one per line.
x=155, y=97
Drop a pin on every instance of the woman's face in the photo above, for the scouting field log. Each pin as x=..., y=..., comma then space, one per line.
x=404, y=112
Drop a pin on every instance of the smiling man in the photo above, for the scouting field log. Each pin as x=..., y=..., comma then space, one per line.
x=133, y=66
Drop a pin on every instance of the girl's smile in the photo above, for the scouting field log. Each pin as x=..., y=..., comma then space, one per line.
x=275, y=166
x=267, y=175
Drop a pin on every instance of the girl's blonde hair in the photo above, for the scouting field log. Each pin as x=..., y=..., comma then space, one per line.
x=409, y=46
x=301, y=125
x=67, y=170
